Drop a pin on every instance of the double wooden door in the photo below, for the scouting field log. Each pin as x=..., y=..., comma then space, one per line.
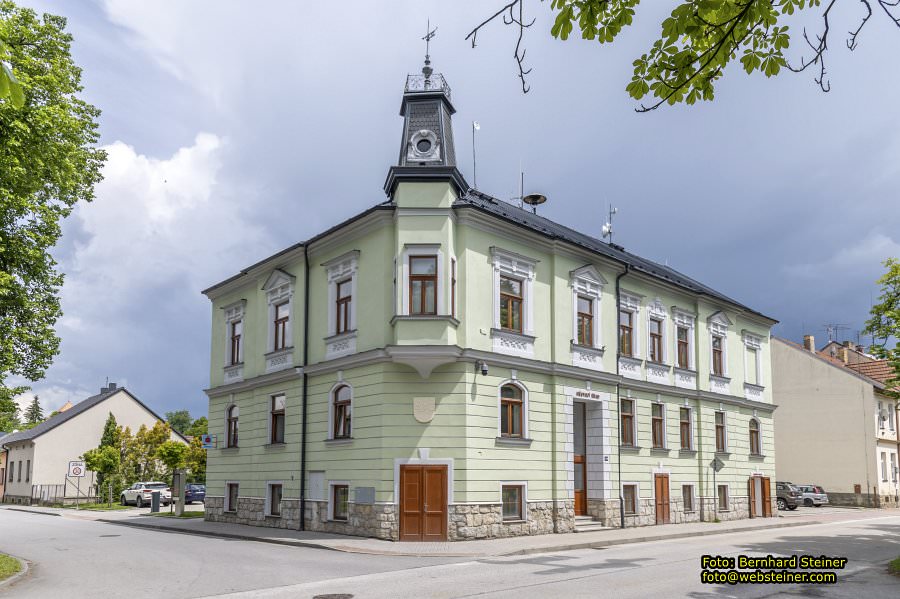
x=760, y=497
x=423, y=503
x=580, y=458
x=661, y=484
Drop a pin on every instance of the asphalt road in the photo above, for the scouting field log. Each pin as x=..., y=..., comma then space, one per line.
x=91, y=559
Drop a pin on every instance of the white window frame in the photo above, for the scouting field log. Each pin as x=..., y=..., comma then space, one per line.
x=657, y=311
x=518, y=384
x=718, y=327
x=515, y=483
x=753, y=343
x=893, y=467
x=634, y=416
x=631, y=302
x=279, y=288
x=331, y=485
x=268, y=507
x=884, y=477
x=682, y=318
x=690, y=410
x=234, y=312
x=269, y=410
x=522, y=268
x=588, y=283
x=422, y=249
x=334, y=388
x=749, y=443
x=339, y=270
x=693, y=489
x=727, y=507
x=226, y=503
x=881, y=418
x=637, y=496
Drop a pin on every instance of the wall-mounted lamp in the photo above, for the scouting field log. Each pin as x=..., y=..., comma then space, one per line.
x=482, y=366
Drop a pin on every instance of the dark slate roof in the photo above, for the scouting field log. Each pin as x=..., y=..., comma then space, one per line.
x=82, y=406
x=553, y=230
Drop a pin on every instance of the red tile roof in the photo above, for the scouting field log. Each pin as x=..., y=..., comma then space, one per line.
x=880, y=370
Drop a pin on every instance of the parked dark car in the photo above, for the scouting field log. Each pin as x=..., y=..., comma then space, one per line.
x=788, y=497
x=194, y=492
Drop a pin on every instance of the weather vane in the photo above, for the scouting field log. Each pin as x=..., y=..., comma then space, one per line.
x=429, y=33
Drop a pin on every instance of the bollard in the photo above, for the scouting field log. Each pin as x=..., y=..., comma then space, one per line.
x=154, y=501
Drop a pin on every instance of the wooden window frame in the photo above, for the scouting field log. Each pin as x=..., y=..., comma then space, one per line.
x=718, y=361
x=626, y=334
x=512, y=301
x=630, y=506
x=658, y=426
x=236, y=341
x=423, y=279
x=683, y=348
x=655, y=351
x=507, y=406
x=626, y=422
x=585, y=320
x=342, y=305
x=274, y=416
x=27, y=471
x=334, y=503
x=719, y=497
x=520, y=515
x=684, y=429
x=232, y=427
x=342, y=414
x=279, y=337
x=275, y=506
x=688, y=506
x=755, y=446
x=721, y=433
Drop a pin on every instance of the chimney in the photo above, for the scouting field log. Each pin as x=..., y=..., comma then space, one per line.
x=848, y=344
x=112, y=386
x=845, y=354
x=860, y=349
x=103, y=390
x=809, y=343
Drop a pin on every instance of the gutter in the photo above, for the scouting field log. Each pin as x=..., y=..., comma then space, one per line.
x=618, y=392
x=305, y=389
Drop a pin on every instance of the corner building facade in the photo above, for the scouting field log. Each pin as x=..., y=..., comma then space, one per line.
x=448, y=366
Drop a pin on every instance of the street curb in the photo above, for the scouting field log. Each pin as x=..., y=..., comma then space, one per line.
x=221, y=535
x=19, y=509
x=526, y=551
x=18, y=575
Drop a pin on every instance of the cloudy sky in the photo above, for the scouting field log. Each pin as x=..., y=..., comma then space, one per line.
x=235, y=130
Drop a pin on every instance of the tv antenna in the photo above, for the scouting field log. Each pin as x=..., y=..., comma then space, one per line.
x=834, y=330
x=607, y=227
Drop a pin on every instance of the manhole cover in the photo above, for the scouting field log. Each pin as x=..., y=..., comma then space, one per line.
x=334, y=596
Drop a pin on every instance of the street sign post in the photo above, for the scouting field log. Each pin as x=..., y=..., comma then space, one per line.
x=716, y=465
x=208, y=441
x=77, y=471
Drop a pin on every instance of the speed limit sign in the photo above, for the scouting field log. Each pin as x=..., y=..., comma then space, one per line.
x=76, y=468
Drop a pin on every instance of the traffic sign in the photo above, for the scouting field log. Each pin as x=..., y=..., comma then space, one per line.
x=208, y=441
x=77, y=469
x=717, y=464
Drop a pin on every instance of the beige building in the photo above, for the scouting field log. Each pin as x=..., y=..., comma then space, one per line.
x=38, y=458
x=834, y=427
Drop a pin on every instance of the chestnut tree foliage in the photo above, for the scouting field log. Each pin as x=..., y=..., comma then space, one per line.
x=700, y=38
x=884, y=323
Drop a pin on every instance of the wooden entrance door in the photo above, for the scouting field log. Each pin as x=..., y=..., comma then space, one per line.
x=751, y=483
x=760, y=497
x=580, y=458
x=661, y=482
x=766, y=497
x=423, y=503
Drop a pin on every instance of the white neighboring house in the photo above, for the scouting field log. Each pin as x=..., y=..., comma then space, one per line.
x=38, y=459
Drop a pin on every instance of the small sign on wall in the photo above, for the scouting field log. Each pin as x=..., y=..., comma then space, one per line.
x=365, y=495
x=208, y=441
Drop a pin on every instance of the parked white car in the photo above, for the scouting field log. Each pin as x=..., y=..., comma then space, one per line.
x=812, y=495
x=140, y=493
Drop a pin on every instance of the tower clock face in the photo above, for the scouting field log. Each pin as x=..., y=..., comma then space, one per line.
x=423, y=146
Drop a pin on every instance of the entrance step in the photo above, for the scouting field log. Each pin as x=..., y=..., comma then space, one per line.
x=588, y=524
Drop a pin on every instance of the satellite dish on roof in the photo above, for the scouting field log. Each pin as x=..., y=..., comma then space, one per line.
x=534, y=200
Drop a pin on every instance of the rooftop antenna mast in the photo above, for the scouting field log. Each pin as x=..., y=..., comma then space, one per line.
x=834, y=330
x=607, y=227
x=427, y=70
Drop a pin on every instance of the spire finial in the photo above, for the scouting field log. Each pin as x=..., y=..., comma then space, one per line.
x=427, y=70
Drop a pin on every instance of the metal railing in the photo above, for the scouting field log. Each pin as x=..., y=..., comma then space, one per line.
x=433, y=83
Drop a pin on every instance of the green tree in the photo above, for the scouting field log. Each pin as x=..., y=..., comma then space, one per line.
x=700, y=38
x=34, y=414
x=9, y=409
x=145, y=446
x=180, y=420
x=172, y=455
x=200, y=426
x=111, y=433
x=105, y=462
x=195, y=461
x=48, y=162
x=884, y=324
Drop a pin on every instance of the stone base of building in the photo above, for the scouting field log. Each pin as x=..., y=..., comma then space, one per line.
x=863, y=499
x=738, y=509
x=251, y=511
x=17, y=499
x=485, y=521
x=608, y=511
x=378, y=520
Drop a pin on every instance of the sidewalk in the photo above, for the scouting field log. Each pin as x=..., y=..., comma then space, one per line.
x=472, y=549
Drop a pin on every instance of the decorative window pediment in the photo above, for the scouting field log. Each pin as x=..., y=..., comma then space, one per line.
x=630, y=301
x=657, y=309
x=751, y=340
x=718, y=323
x=342, y=267
x=279, y=285
x=513, y=264
x=587, y=281
x=235, y=310
x=683, y=318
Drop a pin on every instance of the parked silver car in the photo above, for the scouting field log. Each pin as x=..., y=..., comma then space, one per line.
x=812, y=495
x=140, y=494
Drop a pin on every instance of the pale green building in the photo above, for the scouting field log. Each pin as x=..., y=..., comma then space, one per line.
x=447, y=365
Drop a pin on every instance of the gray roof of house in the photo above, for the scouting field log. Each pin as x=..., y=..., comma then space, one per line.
x=82, y=406
x=553, y=230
